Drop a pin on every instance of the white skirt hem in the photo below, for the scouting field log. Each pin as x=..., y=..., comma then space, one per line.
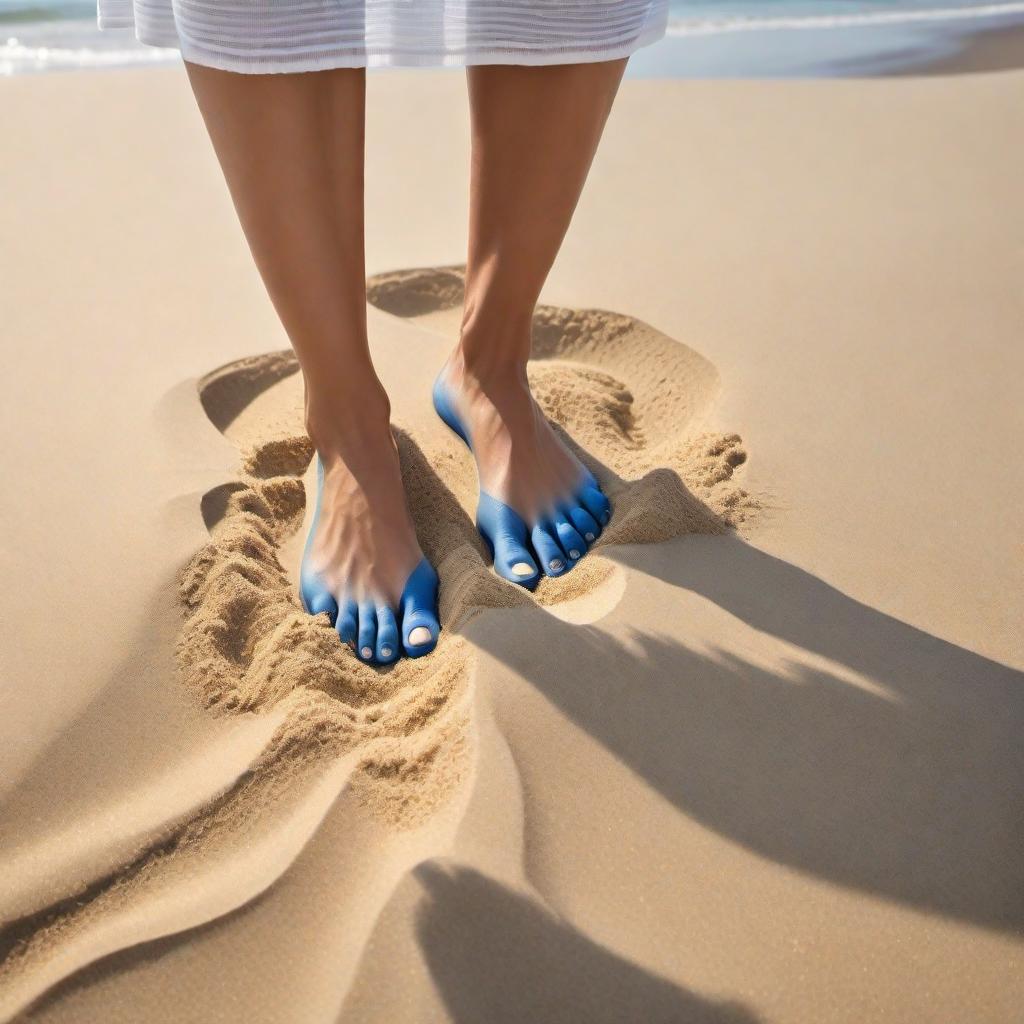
x=251, y=59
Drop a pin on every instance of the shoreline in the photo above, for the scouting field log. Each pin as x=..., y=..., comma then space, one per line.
x=958, y=46
x=990, y=50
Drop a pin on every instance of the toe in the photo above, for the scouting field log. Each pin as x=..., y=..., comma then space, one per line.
x=367, y=643
x=585, y=524
x=387, y=635
x=419, y=630
x=420, y=636
x=419, y=611
x=594, y=501
x=317, y=600
x=568, y=536
x=506, y=535
x=348, y=622
x=550, y=555
x=513, y=561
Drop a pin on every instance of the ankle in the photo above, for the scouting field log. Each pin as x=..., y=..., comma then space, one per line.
x=494, y=348
x=496, y=359
x=346, y=420
x=491, y=377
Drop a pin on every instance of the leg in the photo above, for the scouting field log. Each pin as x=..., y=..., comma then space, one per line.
x=291, y=148
x=535, y=132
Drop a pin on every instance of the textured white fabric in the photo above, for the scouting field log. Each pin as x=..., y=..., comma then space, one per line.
x=260, y=36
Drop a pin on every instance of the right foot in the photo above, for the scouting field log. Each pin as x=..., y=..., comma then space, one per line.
x=362, y=564
x=540, y=508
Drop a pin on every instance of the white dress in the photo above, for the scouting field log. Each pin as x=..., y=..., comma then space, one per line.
x=261, y=36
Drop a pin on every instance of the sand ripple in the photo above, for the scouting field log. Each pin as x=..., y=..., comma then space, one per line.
x=629, y=400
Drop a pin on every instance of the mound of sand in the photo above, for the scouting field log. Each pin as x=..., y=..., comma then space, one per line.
x=625, y=397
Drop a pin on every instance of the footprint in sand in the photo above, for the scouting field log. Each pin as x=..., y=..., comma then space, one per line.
x=246, y=644
x=628, y=400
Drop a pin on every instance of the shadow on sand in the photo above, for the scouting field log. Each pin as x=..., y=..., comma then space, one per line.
x=915, y=794
x=910, y=788
x=497, y=956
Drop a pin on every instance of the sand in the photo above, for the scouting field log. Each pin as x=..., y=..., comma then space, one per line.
x=757, y=759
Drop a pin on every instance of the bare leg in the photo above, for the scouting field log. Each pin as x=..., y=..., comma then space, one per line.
x=535, y=132
x=291, y=148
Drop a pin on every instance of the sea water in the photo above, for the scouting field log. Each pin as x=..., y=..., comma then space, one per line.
x=706, y=38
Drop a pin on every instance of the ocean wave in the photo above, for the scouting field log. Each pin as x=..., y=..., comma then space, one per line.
x=14, y=11
x=706, y=26
x=17, y=57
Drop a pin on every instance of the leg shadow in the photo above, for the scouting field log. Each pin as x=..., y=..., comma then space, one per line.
x=906, y=783
x=498, y=957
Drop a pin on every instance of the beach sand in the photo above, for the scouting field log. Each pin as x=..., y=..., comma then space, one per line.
x=757, y=759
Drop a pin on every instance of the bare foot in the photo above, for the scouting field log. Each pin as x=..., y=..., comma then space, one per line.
x=363, y=565
x=524, y=467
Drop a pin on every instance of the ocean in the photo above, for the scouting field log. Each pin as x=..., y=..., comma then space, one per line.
x=706, y=38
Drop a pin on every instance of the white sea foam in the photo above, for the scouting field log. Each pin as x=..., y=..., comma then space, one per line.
x=706, y=26
x=18, y=56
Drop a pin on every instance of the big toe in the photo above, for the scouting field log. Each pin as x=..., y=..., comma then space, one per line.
x=506, y=534
x=420, y=636
x=420, y=627
x=513, y=561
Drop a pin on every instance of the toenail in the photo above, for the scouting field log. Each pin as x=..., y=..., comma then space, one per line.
x=385, y=652
x=522, y=569
x=419, y=636
x=366, y=652
x=574, y=553
x=589, y=536
x=555, y=564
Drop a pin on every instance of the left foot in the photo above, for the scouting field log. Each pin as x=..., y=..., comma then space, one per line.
x=540, y=508
x=362, y=564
